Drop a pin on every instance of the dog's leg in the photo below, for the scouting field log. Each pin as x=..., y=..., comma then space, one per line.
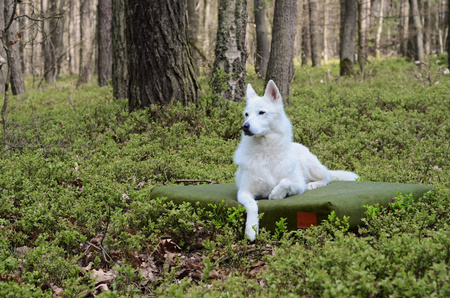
x=318, y=175
x=287, y=187
x=251, y=207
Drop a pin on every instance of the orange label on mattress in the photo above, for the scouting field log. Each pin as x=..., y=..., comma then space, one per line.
x=306, y=219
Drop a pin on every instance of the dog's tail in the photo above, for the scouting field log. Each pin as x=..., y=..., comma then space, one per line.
x=343, y=176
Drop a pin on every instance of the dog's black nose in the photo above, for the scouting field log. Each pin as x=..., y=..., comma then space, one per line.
x=246, y=129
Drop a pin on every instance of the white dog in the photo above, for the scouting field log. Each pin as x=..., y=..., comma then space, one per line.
x=270, y=164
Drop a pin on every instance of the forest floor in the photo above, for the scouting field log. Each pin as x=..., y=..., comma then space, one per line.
x=77, y=171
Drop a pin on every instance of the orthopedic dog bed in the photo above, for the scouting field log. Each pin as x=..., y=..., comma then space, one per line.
x=302, y=211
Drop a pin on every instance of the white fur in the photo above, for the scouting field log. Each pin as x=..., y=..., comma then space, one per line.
x=270, y=164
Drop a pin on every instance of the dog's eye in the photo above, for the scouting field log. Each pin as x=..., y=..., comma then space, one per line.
x=262, y=112
x=246, y=114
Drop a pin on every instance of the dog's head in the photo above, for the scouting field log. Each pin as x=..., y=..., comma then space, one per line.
x=262, y=113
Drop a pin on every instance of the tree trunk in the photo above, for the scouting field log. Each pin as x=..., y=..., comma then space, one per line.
x=3, y=54
x=193, y=7
x=417, y=34
x=427, y=26
x=86, y=49
x=281, y=64
x=48, y=54
x=298, y=44
x=448, y=34
x=363, y=17
x=306, y=40
x=104, y=38
x=379, y=30
x=262, y=41
x=120, y=60
x=404, y=27
x=439, y=19
x=229, y=65
x=13, y=37
x=348, y=27
x=57, y=22
x=325, y=32
x=159, y=60
x=316, y=48
x=72, y=38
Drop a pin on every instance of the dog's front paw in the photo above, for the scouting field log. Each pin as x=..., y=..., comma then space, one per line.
x=251, y=233
x=278, y=193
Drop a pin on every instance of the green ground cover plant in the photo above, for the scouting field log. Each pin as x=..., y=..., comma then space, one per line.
x=77, y=169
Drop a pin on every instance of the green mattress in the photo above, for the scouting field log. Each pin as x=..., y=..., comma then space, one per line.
x=302, y=211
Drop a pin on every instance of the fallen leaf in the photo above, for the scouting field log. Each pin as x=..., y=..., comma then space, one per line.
x=57, y=291
x=102, y=276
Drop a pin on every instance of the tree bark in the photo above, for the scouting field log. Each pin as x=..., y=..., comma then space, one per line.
x=57, y=22
x=316, y=48
x=427, y=26
x=72, y=39
x=3, y=54
x=281, y=64
x=348, y=27
x=325, y=32
x=48, y=54
x=193, y=7
x=231, y=55
x=404, y=27
x=417, y=34
x=120, y=50
x=363, y=17
x=159, y=59
x=306, y=40
x=13, y=37
x=262, y=40
x=448, y=34
x=104, y=38
x=379, y=30
x=86, y=49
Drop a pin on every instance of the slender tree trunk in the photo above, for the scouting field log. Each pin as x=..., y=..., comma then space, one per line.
x=120, y=50
x=404, y=27
x=348, y=27
x=363, y=16
x=159, y=59
x=231, y=55
x=3, y=56
x=379, y=30
x=104, y=38
x=13, y=36
x=49, y=55
x=439, y=25
x=262, y=41
x=298, y=44
x=427, y=26
x=418, y=33
x=316, y=48
x=57, y=23
x=86, y=49
x=306, y=40
x=325, y=32
x=72, y=38
x=194, y=32
x=281, y=65
x=448, y=34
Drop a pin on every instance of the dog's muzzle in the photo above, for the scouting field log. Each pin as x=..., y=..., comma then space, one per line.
x=246, y=129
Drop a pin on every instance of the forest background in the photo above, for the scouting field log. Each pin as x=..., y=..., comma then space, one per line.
x=82, y=151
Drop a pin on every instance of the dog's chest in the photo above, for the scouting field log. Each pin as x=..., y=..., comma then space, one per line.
x=264, y=172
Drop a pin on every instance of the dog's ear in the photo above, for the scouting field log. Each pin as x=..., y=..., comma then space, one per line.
x=272, y=92
x=250, y=91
